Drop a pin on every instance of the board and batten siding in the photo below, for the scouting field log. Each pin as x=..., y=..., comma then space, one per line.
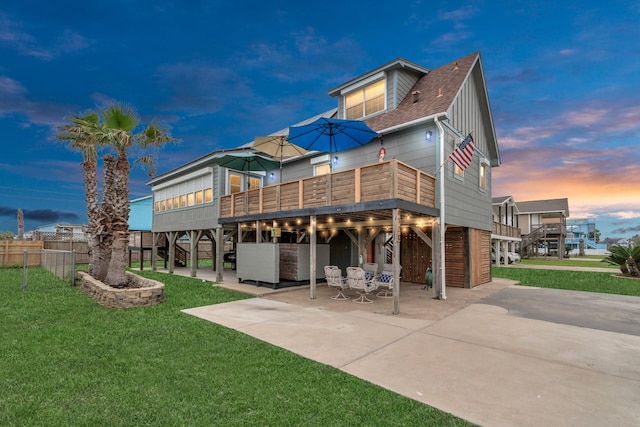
x=198, y=217
x=467, y=204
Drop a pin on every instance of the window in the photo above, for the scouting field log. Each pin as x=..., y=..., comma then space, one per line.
x=235, y=183
x=322, y=169
x=458, y=171
x=169, y=204
x=176, y=203
x=239, y=183
x=198, y=197
x=190, y=199
x=364, y=102
x=158, y=206
x=483, y=176
x=253, y=182
x=163, y=205
x=208, y=195
x=183, y=201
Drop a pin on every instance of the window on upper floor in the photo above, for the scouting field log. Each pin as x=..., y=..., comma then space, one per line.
x=366, y=101
x=483, y=176
x=241, y=182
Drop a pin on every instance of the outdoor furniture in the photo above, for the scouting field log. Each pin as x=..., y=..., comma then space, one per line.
x=370, y=270
x=357, y=280
x=334, y=279
x=385, y=281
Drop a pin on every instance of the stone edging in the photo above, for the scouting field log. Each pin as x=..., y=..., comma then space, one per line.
x=149, y=292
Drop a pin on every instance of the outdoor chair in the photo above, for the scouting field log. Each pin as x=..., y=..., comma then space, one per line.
x=370, y=270
x=357, y=281
x=385, y=282
x=334, y=278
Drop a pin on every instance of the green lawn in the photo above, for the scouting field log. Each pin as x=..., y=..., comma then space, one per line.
x=68, y=361
x=570, y=262
x=571, y=280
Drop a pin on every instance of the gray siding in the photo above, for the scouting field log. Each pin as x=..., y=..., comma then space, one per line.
x=194, y=218
x=467, y=205
x=405, y=82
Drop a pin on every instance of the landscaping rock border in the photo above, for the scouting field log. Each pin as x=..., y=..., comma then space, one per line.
x=144, y=293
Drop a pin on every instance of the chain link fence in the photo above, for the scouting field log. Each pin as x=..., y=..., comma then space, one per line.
x=61, y=264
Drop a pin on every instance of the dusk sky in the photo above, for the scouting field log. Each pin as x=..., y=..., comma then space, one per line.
x=563, y=80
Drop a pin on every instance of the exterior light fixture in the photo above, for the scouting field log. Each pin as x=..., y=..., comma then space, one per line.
x=335, y=159
x=428, y=136
x=272, y=175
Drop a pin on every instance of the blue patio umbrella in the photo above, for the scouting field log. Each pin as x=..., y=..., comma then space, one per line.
x=331, y=135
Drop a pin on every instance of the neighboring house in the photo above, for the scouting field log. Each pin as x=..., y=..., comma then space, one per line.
x=60, y=231
x=506, y=235
x=385, y=212
x=581, y=237
x=542, y=224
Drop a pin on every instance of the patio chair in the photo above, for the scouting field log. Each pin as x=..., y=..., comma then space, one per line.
x=385, y=281
x=334, y=279
x=370, y=270
x=357, y=280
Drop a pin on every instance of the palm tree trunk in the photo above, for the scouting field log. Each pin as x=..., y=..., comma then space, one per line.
x=93, y=214
x=105, y=229
x=116, y=275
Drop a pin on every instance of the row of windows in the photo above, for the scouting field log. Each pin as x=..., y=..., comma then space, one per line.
x=185, y=200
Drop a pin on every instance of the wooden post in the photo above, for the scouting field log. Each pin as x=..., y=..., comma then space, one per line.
x=173, y=236
x=396, y=259
x=219, y=254
x=312, y=257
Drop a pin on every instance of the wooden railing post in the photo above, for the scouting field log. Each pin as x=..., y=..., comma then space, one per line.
x=357, y=189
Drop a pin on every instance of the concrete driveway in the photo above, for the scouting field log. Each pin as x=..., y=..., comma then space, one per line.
x=484, y=354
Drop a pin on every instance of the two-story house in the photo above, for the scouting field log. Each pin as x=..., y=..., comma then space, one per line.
x=363, y=208
x=536, y=225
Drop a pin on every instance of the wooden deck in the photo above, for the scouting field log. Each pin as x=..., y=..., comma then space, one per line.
x=391, y=179
x=506, y=230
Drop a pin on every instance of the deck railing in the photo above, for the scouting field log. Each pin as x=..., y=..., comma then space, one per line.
x=391, y=179
x=506, y=230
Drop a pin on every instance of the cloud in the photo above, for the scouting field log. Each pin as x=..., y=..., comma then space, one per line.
x=197, y=88
x=626, y=214
x=460, y=14
x=43, y=215
x=13, y=34
x=626, y=230
x=48, y=215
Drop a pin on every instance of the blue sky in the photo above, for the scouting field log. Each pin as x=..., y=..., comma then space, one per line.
x=563, y=81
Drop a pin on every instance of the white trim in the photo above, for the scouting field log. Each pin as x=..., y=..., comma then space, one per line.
x=363, y=83
x=320, y=159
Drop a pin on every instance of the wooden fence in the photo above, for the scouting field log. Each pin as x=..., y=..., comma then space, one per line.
x=12, y=252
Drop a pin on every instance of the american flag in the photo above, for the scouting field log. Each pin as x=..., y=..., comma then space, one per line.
x=462, y=155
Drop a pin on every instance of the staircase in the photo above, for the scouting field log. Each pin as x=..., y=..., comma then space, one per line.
x=534, y=237
x=180, y=255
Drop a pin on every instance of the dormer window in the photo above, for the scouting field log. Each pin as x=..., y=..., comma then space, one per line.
x=365, y=101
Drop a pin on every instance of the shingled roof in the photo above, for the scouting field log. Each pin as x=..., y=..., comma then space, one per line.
x=438, y=89
x=544, y=206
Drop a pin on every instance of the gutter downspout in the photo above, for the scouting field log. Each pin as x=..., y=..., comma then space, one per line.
x=443, y=228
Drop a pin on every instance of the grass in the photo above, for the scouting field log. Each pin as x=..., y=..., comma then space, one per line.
x=68, y=361
x=571, y=280
x=570, y=262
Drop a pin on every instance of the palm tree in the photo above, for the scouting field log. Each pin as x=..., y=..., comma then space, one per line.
x=119, y=122
x=83, y=134
x=624, y=257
